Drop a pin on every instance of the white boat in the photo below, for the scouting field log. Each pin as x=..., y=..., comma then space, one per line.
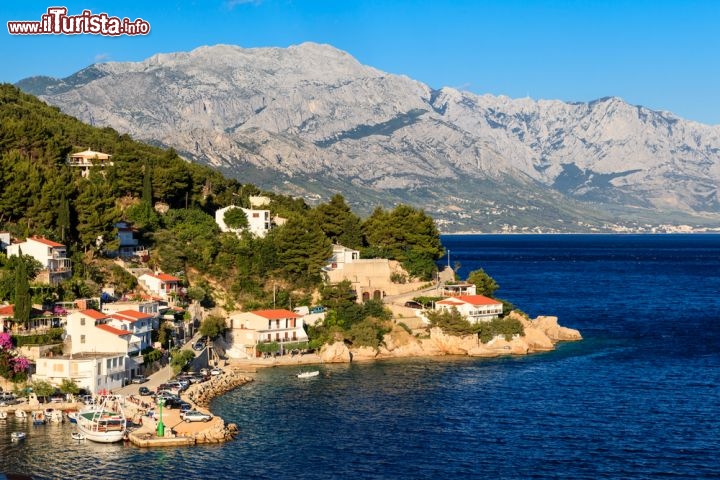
x=3, y=415
x=53, y=415
x=17, y=436
x=20, y=414
x=308, y=374
x=72, y=416
x=103, y=423
x=77, y=436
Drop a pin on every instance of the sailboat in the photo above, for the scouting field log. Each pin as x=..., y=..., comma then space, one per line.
x=104, y=422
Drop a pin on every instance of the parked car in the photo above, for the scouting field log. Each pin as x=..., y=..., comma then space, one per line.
x=139, y=379
x=184, y=406
x=7, y=398
x=199, y=345
x=216, y=371
x=413, y=304
x=144, y=391
x=195, y=416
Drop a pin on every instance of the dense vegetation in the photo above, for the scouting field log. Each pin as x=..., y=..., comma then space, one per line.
x=43, y=196
x=172, y=203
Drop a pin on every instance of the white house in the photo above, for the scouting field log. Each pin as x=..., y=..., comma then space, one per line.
x=4, y=240
x=87, y=159
x=139, y=324
x=94, y=372
x=128, y=245
x=51, y=255
x=90, y=331
x=247, y=329
x=475, y=308
x=161, y=284
x=259, y=221
x=458, y=289
x=341, y=256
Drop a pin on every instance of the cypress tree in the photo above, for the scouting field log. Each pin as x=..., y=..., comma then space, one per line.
x=22, y=292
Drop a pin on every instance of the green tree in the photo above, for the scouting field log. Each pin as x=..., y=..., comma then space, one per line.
x=302, y=250
x=483, y=282
x=450, y=321
x=213, y=326
x=236, y=218
x=63, y=219
x=180, y=359
x=338, y=222
x=41, y=388
x=22, y=293
x=68, y=385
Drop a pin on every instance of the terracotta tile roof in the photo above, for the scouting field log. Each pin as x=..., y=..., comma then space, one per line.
x=276, y=314
x=478, y=300
x=7, y=310
x=134, y=314
x=47, y=242
x=93, y=314
x=113, y=330
x=164, y=277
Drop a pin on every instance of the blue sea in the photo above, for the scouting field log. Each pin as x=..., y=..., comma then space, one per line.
x=638, y=398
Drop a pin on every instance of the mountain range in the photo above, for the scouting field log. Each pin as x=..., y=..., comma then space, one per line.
x=310, y=120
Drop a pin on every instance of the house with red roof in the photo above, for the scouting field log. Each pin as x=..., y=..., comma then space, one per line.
x=475, y=308
x=99, y=355
x=161, y=284
x=51, y=255
x=138, y=323
x=248, y=329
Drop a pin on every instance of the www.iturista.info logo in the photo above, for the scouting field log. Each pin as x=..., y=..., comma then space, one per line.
x=57, y=22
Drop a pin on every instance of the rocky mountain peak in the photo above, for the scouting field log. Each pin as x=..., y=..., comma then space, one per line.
x=310, y=119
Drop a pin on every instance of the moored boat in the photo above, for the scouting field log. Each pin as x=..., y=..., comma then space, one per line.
x=103, y=423
x=3, y=415
x=53, y=415
x=38, y=417
x=77, y=436
x=20, y=414
x=309, y=374
x=17, y=436
x=72, y=416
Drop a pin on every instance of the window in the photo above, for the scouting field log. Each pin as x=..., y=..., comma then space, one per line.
x=82, y=322
x=256, y=215
x=82, y=338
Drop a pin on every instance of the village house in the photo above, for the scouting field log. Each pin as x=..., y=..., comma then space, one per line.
x=161, y=284
x=457, y=289
x=128, y=245
x=95, y=372
x=474, y=308
x=247, y=329
x=90, y=331
x=88, y=159
x=139, y=324
x=56, y=267
x=259, y=221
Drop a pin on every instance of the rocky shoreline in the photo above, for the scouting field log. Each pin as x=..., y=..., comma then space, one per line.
x=541, y=335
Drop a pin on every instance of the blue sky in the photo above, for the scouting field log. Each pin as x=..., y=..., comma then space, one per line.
x=661, y=54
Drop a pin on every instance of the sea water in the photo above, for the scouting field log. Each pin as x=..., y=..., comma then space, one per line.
x=638, y=397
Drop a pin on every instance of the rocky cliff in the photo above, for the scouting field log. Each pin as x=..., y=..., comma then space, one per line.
x=311, y=120
x=541, y=335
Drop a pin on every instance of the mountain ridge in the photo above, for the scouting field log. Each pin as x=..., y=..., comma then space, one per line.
x=317, y=121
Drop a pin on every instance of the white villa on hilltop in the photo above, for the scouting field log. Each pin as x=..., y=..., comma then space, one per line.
x=259, y=221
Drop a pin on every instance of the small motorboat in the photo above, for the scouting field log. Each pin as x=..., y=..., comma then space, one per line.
x=53, y=415
x=3, y=415
x=72, y=416
x=308, y=374
x=77, y=436
x=38, y=417
x=17, y=436
x=20, y=414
